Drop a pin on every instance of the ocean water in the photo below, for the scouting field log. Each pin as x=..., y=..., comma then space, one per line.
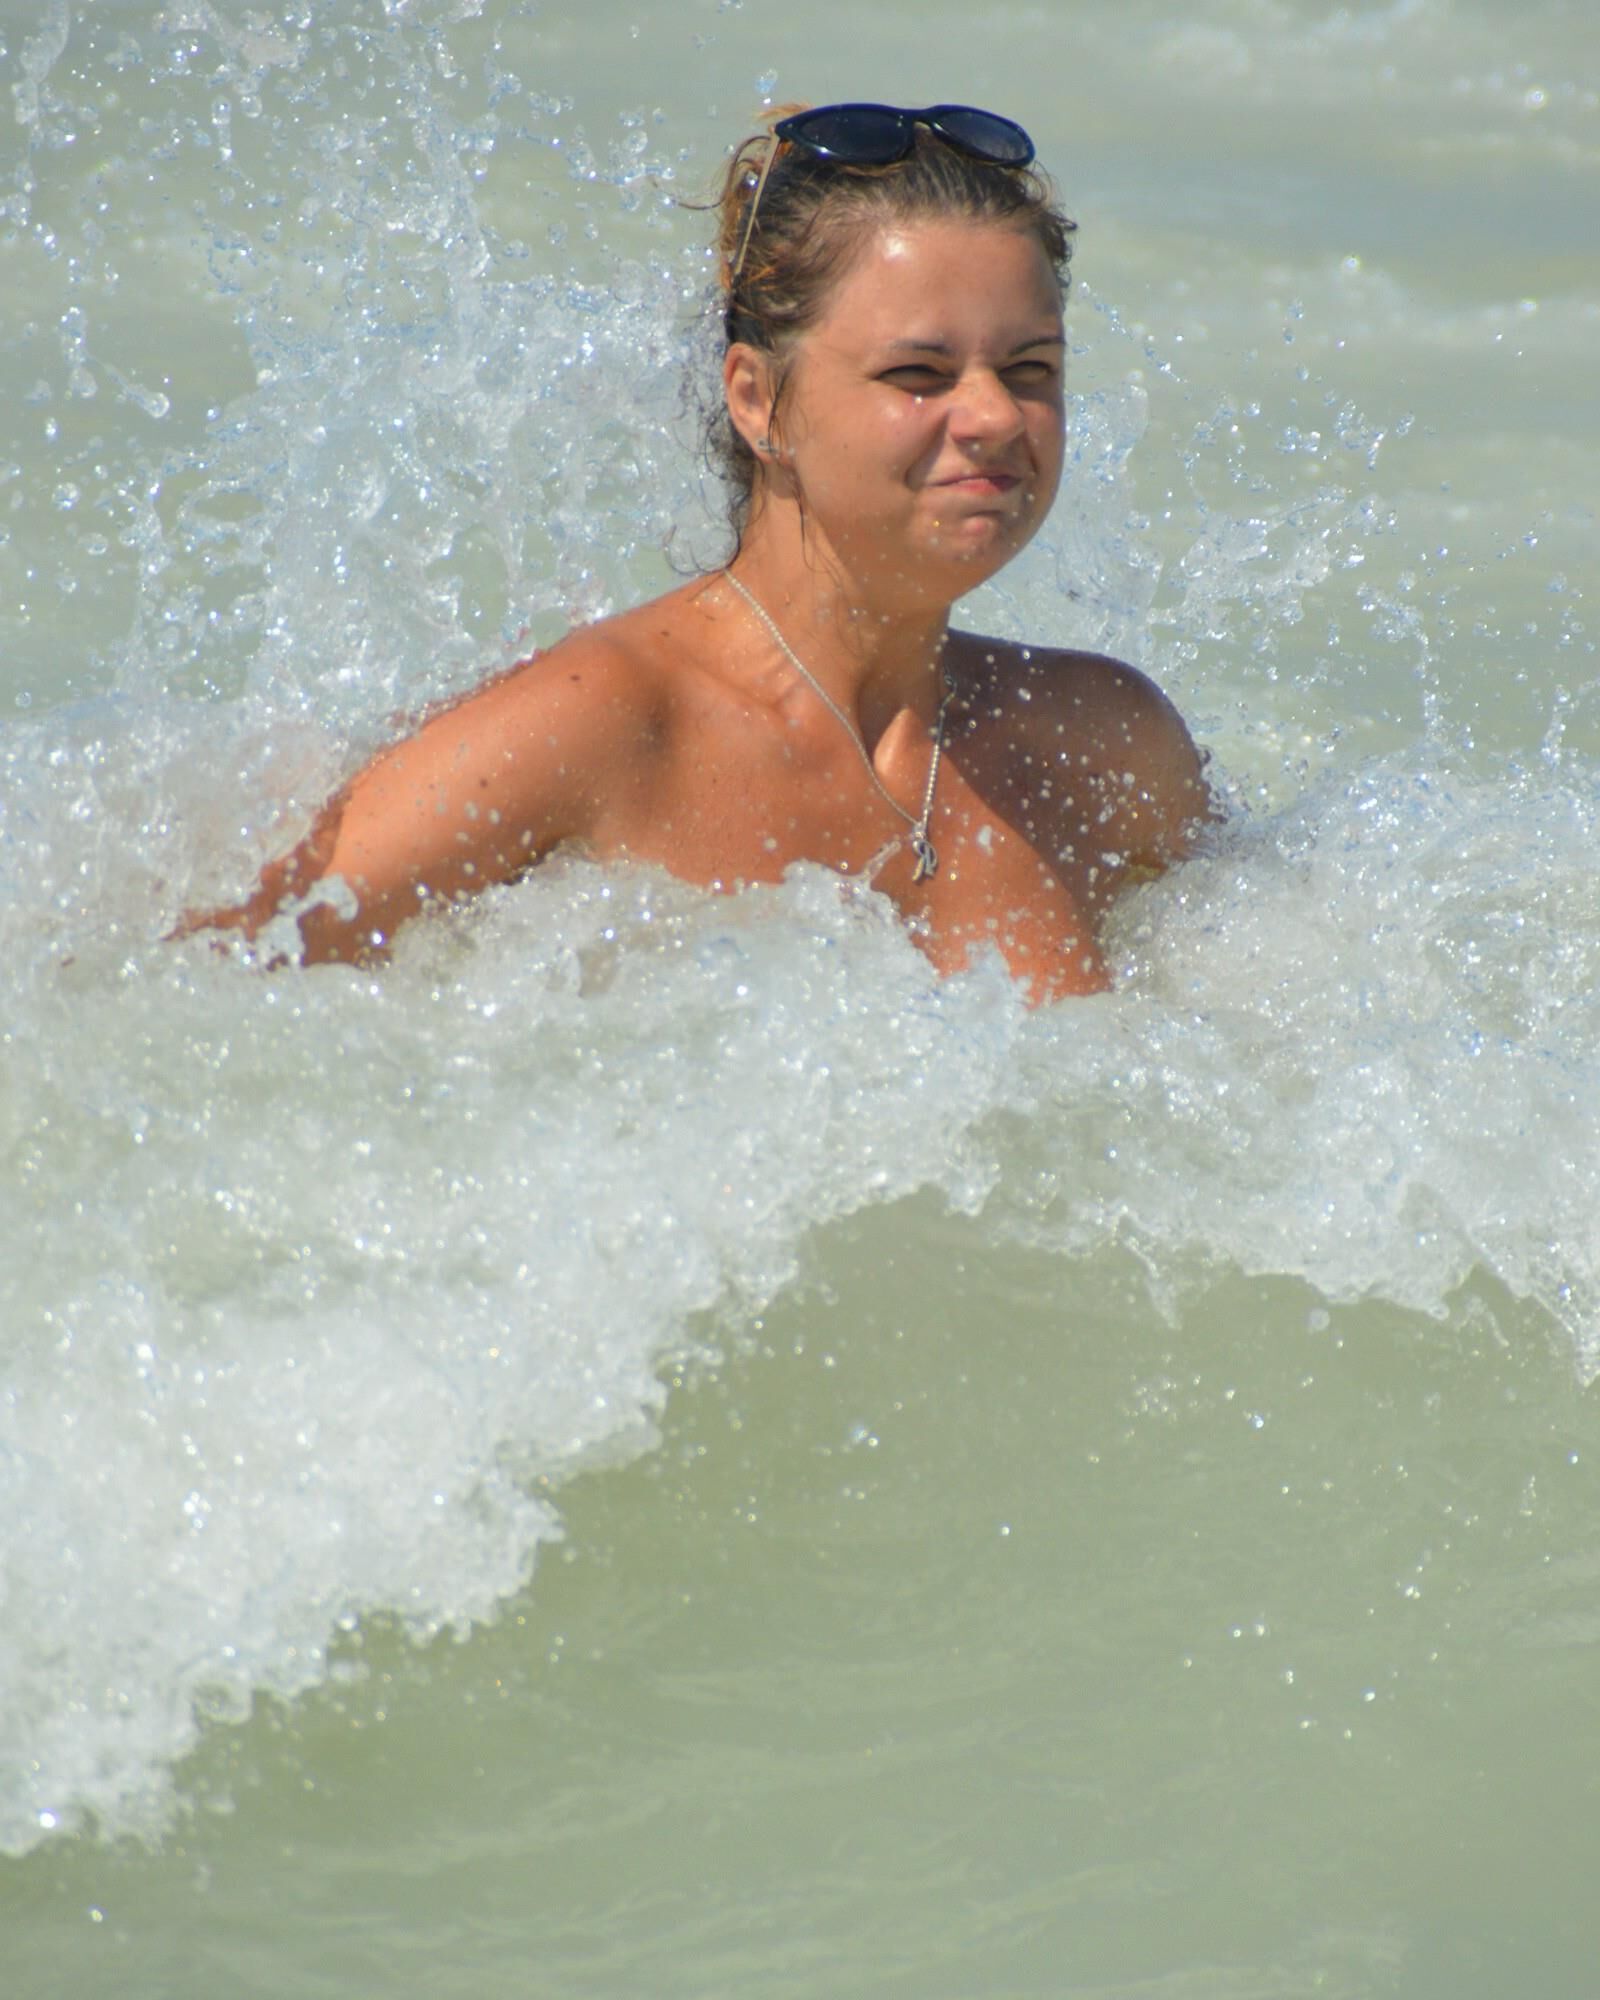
x=653, y=1446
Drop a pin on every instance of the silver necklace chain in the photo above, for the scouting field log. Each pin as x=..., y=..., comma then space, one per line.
x=927, y=858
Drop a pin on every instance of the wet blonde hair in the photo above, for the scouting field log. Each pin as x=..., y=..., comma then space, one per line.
x=813, y=217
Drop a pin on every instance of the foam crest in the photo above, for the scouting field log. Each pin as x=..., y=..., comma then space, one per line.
x=337, y=1273
x=334, y=1273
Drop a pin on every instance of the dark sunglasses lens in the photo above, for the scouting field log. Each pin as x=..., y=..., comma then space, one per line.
x=984, y=133
x=861, y=135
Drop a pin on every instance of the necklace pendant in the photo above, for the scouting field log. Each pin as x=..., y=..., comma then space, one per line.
x=927, y=858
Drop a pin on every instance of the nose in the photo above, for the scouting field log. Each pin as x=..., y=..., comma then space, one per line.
x=985, y=412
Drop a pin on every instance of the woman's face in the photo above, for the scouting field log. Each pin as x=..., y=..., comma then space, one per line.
x=922, y=417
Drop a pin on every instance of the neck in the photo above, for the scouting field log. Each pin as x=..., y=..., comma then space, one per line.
x=876, y=655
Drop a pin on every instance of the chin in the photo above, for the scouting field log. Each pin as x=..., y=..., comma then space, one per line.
x=982, y=548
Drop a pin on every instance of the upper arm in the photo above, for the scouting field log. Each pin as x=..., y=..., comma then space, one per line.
x=1151, y=776
x=477, y=792
x=1128, y=782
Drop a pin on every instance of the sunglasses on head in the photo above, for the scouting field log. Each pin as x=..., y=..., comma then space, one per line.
x=876, y=135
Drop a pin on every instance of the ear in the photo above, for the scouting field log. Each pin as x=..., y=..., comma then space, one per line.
x=749, y=389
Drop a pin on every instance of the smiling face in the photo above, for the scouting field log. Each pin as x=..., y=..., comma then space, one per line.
x=921, y=419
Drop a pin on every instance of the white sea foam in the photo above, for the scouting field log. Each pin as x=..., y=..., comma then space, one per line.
x=330, y=1274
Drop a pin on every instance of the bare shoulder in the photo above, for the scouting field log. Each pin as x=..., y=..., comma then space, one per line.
x=1093, y=690
x=1104, y=722
x=633, y=659
x=604, y=668
x=541, y=747
x=562, y=717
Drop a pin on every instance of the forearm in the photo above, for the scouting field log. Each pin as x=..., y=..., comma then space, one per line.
x=342, y=912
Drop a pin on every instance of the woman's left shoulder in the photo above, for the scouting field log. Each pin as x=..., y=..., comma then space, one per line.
x=1060, y=687
x=1101, y=719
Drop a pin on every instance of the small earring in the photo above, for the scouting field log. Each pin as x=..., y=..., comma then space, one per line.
x=765, y=444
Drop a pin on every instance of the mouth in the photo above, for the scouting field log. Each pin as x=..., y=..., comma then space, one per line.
x=987, y=484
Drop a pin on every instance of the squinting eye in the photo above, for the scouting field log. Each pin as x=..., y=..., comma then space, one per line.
x=919, y=381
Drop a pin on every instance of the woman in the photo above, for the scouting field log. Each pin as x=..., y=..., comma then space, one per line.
x=893, y=285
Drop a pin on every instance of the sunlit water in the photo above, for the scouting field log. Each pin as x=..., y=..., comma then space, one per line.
x=653, y=1446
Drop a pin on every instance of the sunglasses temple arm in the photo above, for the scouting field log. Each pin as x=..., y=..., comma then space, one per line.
x=750, y=216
